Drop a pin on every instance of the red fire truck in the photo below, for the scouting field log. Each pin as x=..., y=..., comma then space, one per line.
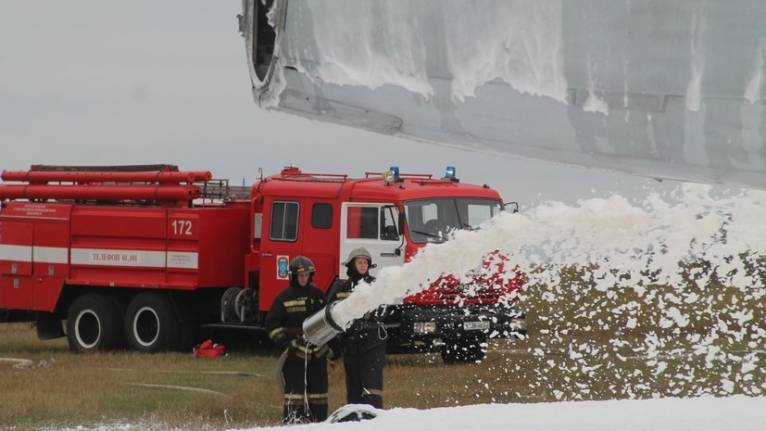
x=144, y=256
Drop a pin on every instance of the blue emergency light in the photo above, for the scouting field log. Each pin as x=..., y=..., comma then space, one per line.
x=395, y=172
x=450, y=173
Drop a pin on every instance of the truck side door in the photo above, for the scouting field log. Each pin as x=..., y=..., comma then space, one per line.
x=280, y=242
x=373, y=226
x=320, y=240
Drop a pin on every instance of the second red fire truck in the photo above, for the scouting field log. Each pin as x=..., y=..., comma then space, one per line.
x=144, y=256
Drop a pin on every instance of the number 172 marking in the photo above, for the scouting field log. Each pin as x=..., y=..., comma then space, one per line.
x=182, y=227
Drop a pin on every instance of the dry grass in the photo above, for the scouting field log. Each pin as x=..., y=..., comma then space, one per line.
x=61, y=388
x=580, y=347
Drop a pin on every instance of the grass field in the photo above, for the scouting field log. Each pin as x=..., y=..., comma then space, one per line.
x=582, y=346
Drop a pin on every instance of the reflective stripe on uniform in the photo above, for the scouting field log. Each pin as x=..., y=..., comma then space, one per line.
x=302, y=351
x=294, y=396
x=377, y=392
x=294, y=302
x=318, y=398
x=321, y=351
x=273, y=334
x=312, y=398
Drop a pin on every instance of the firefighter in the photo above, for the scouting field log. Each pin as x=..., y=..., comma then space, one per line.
x=303, y=370
x=364, y=343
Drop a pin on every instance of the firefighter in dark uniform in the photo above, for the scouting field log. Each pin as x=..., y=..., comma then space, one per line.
x=364, y=343
x=304, y=367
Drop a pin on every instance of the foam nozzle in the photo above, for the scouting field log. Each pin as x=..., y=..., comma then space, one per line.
x=321, y=327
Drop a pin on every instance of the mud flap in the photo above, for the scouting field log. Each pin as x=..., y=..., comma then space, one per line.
x=49, y=326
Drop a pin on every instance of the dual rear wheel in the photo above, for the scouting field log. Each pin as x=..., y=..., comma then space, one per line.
x=94, y=324
x=151, y=324
x=97, y=322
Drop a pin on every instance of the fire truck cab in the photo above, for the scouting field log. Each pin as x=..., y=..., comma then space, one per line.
x=150, y=256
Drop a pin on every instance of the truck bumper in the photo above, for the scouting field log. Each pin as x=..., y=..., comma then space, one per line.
x=420, y=328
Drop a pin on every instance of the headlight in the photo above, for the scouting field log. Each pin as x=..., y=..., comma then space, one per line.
x=424, y=327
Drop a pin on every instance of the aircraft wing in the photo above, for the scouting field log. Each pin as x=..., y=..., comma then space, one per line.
x=656, y=88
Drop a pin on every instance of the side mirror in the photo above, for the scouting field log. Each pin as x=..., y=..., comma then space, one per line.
x=400, y=224
x=513, y=204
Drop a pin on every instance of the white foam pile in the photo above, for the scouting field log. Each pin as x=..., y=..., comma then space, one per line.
x=660, y=241
x=702, y=414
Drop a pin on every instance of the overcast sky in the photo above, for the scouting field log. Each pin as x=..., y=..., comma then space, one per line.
x=126, y=82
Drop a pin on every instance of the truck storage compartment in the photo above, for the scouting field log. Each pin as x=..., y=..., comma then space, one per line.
x=158, y=247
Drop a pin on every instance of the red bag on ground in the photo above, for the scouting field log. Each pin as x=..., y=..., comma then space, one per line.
x=209, y=349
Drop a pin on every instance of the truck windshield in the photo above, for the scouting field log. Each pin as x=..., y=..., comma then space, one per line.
x=430, y=220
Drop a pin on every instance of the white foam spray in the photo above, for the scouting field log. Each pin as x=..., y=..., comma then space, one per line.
x=627, y=246
x=628, y=300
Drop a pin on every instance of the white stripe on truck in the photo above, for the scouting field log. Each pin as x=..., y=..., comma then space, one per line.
x=124, y=258
x=50, y=254
x=183, y=259
x=17, y=253
x=101, y=257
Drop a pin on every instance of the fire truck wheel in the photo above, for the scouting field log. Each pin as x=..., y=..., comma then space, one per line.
x=94, y=323
x=229, y=304
x=151, y=324
x=464, y=351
